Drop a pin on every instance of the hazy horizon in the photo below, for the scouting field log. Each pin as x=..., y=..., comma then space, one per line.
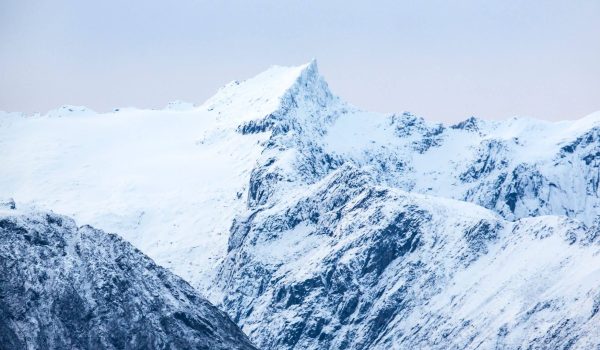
x=441, y=61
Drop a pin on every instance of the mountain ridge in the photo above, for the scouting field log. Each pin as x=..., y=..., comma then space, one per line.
x=275, y=197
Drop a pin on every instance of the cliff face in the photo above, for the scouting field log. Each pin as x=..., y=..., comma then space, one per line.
x=69, y=287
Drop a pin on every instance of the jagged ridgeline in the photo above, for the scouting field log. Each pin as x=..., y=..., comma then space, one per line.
x=69, y=287
x=317, y=225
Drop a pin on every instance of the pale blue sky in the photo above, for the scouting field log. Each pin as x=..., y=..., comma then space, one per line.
x=443, y=60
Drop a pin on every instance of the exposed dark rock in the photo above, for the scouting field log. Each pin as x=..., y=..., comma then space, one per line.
x=79, y=288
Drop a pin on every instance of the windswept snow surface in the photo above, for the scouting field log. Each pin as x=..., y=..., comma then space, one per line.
x=276, y=199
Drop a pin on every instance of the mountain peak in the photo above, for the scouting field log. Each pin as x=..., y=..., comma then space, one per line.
x=267, y=92
x=311, y=68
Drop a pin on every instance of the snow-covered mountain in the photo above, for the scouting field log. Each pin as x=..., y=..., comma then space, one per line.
x=69, y=287
x=351, y=264
x=316, y=224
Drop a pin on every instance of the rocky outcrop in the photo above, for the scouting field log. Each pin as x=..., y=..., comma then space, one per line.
x=69, y=287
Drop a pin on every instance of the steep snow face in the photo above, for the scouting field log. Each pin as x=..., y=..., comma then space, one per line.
x=353, y=265
x=64, y=287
